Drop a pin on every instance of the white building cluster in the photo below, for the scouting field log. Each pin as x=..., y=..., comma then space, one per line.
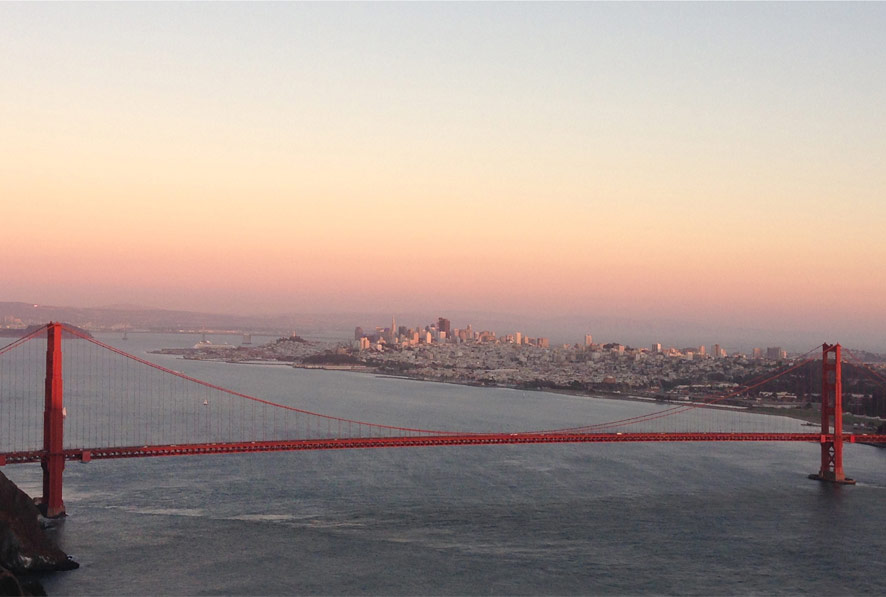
x=440, y=332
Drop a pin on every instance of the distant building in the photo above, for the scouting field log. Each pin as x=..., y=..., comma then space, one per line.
x=656, y=348
x=444, y=325
x=392, y=334
x=775, y=353
x=588, y=339
x=358, y=333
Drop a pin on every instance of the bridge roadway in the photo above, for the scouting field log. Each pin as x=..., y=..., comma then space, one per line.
x=467, y=439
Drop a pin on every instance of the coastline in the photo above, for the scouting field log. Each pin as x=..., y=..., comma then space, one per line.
x=809, y=417
x=797, y=413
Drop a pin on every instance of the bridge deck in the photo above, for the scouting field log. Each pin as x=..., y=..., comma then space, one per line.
x=87, y=454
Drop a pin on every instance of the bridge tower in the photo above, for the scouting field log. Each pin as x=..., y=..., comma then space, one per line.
x=831, y=414
x=53, y=460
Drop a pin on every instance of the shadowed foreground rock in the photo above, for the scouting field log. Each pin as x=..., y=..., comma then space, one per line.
x=10, y=585
x=24, y=547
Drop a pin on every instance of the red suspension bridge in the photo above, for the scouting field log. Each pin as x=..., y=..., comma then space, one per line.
x=101, y=403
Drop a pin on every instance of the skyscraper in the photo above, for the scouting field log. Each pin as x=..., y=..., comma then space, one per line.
x=444, y=326
x=392, y=334
x=775, y=353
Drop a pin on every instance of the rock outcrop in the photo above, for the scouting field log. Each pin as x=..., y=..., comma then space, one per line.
x=10, y=585
x=24, y=547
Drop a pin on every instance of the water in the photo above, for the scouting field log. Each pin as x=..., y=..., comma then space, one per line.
x=540, y=519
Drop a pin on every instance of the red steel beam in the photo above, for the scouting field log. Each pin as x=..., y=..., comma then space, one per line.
x=53, y=460
x=488, y=439
x=478, y=439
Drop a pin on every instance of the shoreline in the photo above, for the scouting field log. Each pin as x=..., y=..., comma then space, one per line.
x=808, y=416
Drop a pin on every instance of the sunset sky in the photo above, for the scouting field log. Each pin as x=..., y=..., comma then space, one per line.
x=705, y=162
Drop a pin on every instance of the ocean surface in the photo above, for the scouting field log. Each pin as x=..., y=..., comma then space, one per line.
x=600, y=519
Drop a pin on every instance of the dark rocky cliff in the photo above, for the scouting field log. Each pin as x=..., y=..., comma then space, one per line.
x=24, y=547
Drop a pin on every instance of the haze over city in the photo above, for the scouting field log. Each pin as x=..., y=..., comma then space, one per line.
x=716, y=166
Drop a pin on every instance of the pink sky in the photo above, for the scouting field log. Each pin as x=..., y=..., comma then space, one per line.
x=633, y=160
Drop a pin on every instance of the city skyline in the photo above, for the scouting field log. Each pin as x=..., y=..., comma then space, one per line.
x=335, y=327
x=719, y=165
x=442, y=332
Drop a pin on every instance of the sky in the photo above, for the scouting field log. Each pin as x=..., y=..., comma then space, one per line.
x=711, y=163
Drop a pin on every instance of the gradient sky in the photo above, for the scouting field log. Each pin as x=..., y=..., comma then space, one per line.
x=708, y=162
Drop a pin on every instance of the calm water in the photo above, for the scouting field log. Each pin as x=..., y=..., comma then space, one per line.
x=559, y=519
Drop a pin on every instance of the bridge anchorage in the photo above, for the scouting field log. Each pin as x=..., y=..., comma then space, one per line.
x=202, y=435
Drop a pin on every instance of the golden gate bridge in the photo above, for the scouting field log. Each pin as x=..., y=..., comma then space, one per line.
x=102, y=403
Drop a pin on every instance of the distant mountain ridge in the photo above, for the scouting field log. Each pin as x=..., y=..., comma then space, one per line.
x=19, y=332
x=135, y=318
